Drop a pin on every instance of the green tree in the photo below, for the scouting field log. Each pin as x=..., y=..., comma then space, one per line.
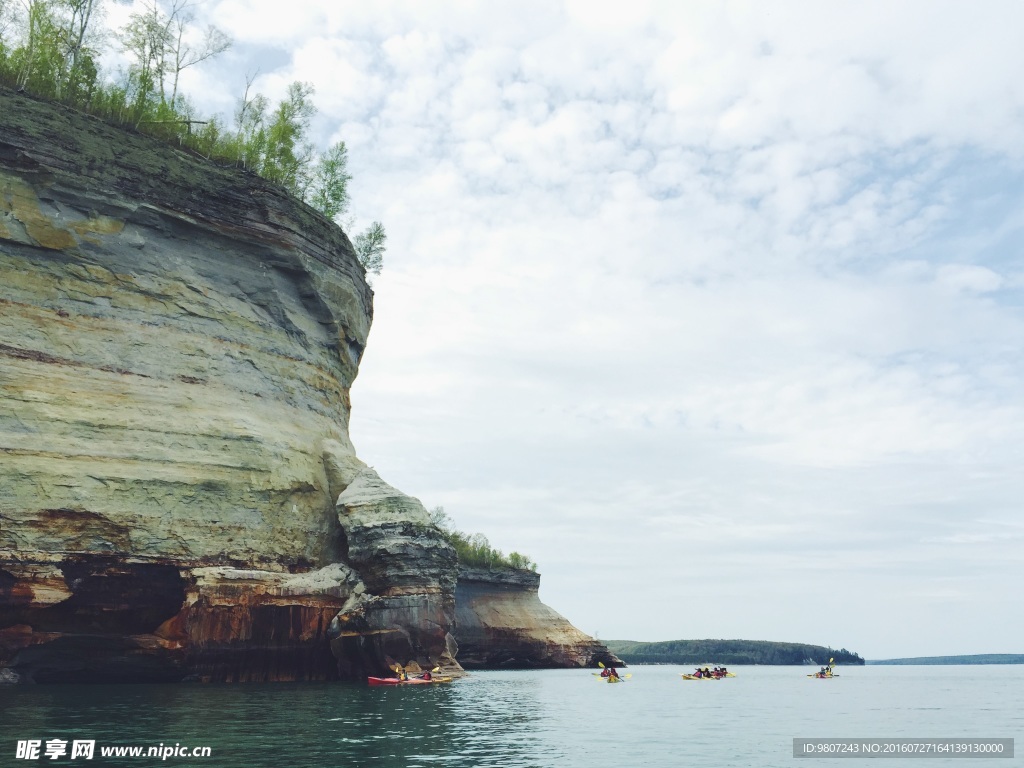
x=288, y=155
x=37, y=62
x=369, y=246
x=79, y=41
x=182, y=51
x=146, y=39
x=161, y=45
x=476, y=550
x=250, y=129
x=329, y=190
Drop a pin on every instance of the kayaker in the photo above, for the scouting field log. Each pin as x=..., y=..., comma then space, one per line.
x=401, y=673
x=426, y=676
x=698, y=672
x=612, y=672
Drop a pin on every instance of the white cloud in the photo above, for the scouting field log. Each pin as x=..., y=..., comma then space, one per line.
x=735, y=286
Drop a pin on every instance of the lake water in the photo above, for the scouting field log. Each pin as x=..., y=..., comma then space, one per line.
x=538, y=718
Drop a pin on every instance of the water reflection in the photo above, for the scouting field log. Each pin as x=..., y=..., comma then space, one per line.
x=473, y=722
x=562, y=718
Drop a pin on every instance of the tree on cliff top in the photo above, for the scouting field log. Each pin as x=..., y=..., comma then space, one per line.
x=475, y=550
x=278, y=149
x=51, y=47
x=369, y=246
x=163, y=45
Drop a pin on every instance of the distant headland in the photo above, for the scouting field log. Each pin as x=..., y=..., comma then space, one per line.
x=978, y=658
x=728, y=652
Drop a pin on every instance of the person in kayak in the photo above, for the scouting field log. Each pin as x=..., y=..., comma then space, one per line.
x=613, y=673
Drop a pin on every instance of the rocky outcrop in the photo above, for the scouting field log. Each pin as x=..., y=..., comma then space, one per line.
x=409, y=575
x=179, y=497
x=501, y=623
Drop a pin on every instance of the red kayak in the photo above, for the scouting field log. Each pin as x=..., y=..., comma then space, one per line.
x=396, y=681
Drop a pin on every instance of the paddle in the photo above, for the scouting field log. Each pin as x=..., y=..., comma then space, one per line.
x=423, y=675
x=605, y=677
x=399, y=670
x=828, y=671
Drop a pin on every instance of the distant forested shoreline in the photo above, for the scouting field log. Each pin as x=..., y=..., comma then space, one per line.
x=978, y=658
x=728, y=652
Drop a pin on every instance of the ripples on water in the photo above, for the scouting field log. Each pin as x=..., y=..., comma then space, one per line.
x=528, y=719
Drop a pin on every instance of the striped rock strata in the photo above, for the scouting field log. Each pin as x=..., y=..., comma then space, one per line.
x=179, y=497
x=502, y=624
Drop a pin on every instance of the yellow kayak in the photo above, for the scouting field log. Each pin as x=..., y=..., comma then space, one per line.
x=611, y=679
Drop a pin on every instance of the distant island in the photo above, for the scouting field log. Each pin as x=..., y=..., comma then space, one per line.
x=979, y=658
x=728, y=652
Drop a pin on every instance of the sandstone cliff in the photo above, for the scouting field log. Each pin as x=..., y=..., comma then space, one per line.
x=179, y=497
x=501, y=623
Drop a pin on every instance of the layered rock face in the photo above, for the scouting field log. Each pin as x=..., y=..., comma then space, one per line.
x=179, y=497
x=501, y=623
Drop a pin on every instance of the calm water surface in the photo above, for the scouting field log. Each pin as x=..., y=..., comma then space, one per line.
x=550, y=718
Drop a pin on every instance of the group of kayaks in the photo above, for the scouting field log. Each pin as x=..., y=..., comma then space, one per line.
x=412, y=674
x=610, y=674
x=707, y=673
x=409, y=680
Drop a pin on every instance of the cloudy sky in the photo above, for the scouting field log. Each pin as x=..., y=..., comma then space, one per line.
x=712, y=309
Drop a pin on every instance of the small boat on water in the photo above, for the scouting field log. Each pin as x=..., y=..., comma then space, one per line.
x=826, y=673
x=410, y=681
x=396, y=681
x=613, y=678
x=706, y=673
x=410, y=674
x=610, y=674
